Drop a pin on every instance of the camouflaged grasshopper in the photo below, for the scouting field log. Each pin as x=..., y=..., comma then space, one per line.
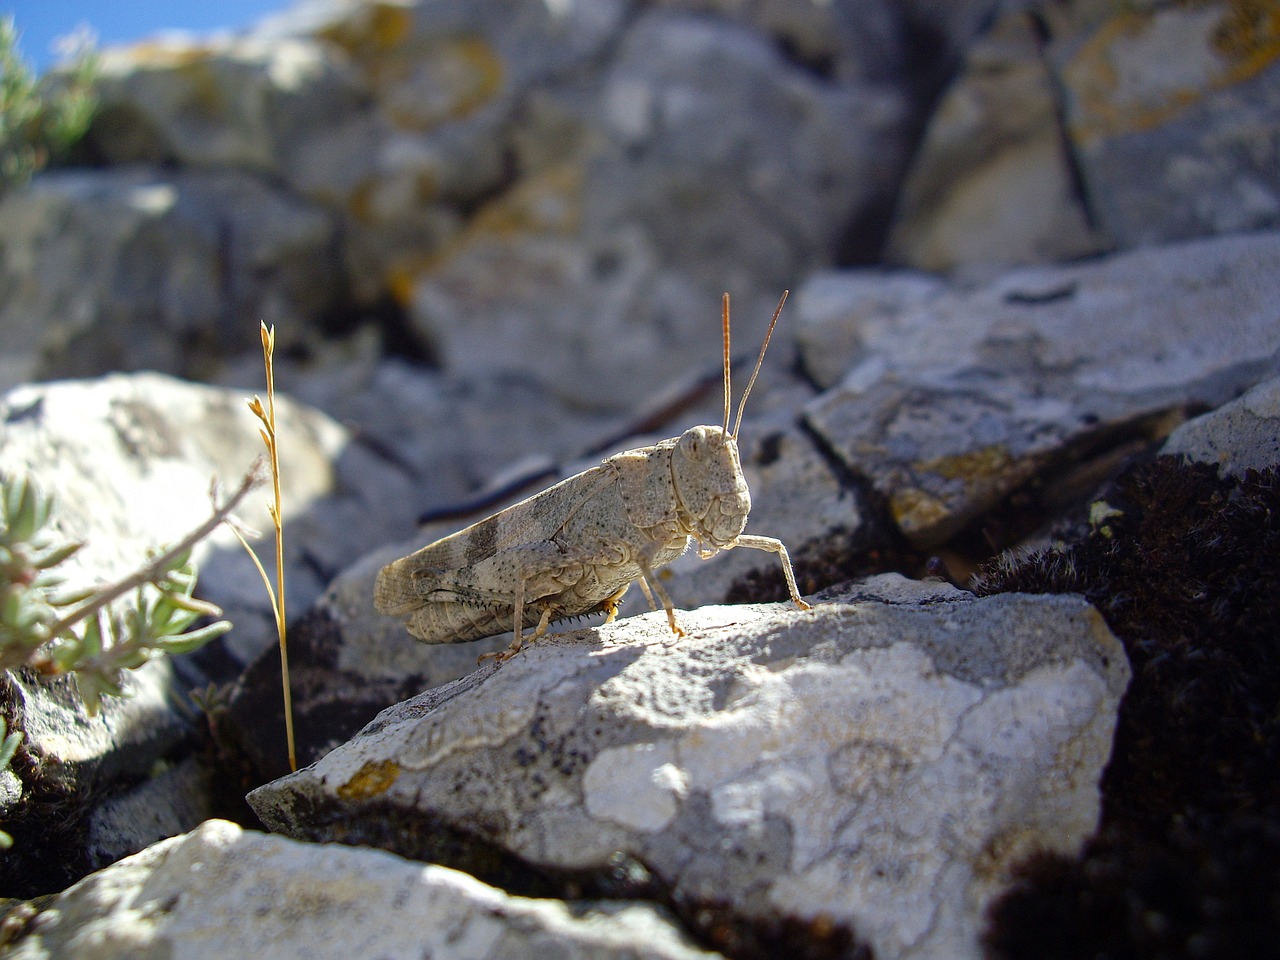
x=576, y=547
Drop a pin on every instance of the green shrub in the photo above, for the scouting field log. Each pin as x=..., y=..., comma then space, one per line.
x=40, y=119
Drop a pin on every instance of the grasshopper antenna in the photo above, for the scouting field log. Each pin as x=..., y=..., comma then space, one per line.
x=725, y=321
x=759, y=361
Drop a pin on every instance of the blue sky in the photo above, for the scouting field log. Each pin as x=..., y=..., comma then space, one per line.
x=124, y=21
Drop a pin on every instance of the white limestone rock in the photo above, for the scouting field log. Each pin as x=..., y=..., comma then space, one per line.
x=218, y=102
x=599, y=274
x=1074, y=128
x=221, y=891
x=1173, y=113
x=130, y=459
x=877, y=764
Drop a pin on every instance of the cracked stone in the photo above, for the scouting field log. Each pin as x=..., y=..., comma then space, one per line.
x=965, y=396
x=223, y=891
x=876, y=763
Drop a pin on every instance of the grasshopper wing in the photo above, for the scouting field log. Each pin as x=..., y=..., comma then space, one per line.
x=399, y=588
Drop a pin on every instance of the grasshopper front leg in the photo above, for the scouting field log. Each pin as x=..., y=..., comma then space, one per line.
x=774, y=546
x=648, y=582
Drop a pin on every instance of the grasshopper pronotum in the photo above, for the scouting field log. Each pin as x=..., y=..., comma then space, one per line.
x=576, y=547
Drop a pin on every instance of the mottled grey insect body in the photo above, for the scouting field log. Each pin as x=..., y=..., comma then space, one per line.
x=576, y=547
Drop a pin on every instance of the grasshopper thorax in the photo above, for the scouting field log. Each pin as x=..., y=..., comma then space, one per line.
x=712, y=499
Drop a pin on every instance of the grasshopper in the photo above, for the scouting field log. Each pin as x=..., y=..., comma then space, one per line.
x=575, y=548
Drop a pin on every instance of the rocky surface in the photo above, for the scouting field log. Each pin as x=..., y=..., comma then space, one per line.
x=1079, y=127
x=144, y=269
x=206, y=894
x=130, y=460
x=994, y=181
x=957, y=400
x=1238, y=436
x=493, y=237
x=786, y=762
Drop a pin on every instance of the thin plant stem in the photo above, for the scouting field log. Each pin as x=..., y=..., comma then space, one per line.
x=268, y=418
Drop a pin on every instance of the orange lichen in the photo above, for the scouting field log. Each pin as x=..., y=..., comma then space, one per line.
x=550, y=202
x=914, y=509
x=970, y=466
x=371, y=780
x=462, y=74
x=157, y=55
x=1249, y=36
x=1115, y=97
x=382, y=29
x=547, y=203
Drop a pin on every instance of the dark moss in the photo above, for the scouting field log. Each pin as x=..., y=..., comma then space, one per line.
x=1185, y=567
x=1208, y=888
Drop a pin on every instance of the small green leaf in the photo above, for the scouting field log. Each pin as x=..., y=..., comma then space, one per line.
x=91, y=640
x=66, y=653
x=168, y=619
x=79, y=595
x=179, y=565
x=194, y=640
x=9, y=746
x=55, y=555
x=87, y=685
x=28, y=510
x=201, y=608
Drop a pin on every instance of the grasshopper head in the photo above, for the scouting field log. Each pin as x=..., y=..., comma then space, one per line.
x=712, y=498
x=711, y=494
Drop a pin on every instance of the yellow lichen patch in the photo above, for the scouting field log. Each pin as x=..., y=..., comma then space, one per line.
x=379, y=29
x=979, y=471
x=1249, y=36
x=404, y=274
x=1143, y=69
x=980, y=464
x=371, y=780
x=205, y=90
x=447, y=81
x=547, y=203
x=913, y=510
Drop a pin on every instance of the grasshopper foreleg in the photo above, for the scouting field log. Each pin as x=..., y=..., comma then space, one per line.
x=648, y=594
x=775, y=546
x=649, y=581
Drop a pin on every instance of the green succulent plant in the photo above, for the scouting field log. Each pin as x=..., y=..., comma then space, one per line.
x=93, y=634
x=85, y=632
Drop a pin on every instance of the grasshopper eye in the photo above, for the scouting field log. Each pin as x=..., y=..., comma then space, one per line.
x=693, y=443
